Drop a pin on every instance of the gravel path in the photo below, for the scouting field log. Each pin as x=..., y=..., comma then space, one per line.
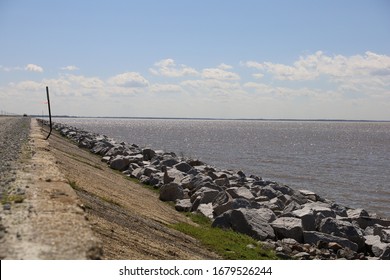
x=14, y=132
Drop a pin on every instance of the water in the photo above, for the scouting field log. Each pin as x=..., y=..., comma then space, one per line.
x=347, y=162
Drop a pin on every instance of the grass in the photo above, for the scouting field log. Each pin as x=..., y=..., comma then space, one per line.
x=16, y=198
x=228, y=244
x=74, y=185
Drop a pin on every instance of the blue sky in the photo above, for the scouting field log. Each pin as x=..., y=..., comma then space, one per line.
x=227, y=59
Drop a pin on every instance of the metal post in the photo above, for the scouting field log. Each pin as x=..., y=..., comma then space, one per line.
x=48, y=104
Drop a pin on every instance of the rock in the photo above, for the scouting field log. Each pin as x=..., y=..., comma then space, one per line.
x=148, y=154
x=195, y=162
x=207, y=195
x=105, y=159
x=385, y=235
x=222, y=182
x=281, y=188
x=222, y=198
x=244, y=193
x=120, y=163
x=176, y=175
x=171, y=192
x=378, y=248
x=346, y=253
x=206, y=210
x=136, y=158
x=269, y=192
x=183, y=205
x=246, y=221
x=364, y=222
x=313, y=237
x=357, y=213
x=292, y=206
x=343, y=229
x=302, y=256
x=286, y=227
x=307, y=217
x=309, y=195
x=148, y=171
x=170, y=162
x=183, y=167
x=321, y=208
x=137, y=173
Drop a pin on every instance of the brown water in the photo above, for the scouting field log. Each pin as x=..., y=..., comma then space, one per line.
x=348, y=162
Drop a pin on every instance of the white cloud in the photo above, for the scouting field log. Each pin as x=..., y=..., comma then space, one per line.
x=33, y=68
x=85, y=82
x=219, y=74
x=337, y=67
x=168, y=68
x=224, y=66
x=129, y=79
x=70, y=68
x=253, y=64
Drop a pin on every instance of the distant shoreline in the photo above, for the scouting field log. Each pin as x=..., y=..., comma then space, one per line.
x=209, y=119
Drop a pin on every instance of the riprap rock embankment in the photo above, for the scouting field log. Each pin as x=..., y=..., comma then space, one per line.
x=295, y=223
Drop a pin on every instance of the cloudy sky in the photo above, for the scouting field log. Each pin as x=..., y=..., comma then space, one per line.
x=205, y=58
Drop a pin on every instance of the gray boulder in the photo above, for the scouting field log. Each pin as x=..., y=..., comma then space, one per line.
x=148, y=154
x=269, y=192
x=207, y=195
x=309, y=195
x=385, y=235
x=307, y=217
x=343, y=229
x=287, y=227
x=378, y=248
x=243, y=192
x=170, y=162
x=230, y=203
x=206, y=210
x=183, y=205
x=183, y=167
x=171, y=192
x=247, y=221
x=120, y=163
x=313, y=237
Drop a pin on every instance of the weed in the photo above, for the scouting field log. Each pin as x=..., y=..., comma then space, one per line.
x=227, y=243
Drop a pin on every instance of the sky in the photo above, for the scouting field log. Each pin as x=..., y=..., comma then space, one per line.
x=277, y=59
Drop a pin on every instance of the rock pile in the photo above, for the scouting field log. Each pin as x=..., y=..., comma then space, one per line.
x=295, y=223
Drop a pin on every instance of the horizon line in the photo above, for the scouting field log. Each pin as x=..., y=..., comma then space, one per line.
x=210, y=118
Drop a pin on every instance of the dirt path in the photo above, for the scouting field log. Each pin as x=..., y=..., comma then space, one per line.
x=41, y=217
x=129, y=219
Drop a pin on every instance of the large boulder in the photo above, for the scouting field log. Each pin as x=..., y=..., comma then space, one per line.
x=313, y=237
x=206, y=210
x=171, y=192
x=307, y=217
x=252, y=222
x=148, y=154
x=241, y=192
x=222, y=203
x=170, y=162
x=385, y=235
x=120, y=163
x=183, y=167
x=207, y=195
x=287, y=227
x=183, y=205
x=378, y=248
x=343, y=229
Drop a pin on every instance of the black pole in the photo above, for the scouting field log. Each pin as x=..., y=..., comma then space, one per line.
x=48, y=104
